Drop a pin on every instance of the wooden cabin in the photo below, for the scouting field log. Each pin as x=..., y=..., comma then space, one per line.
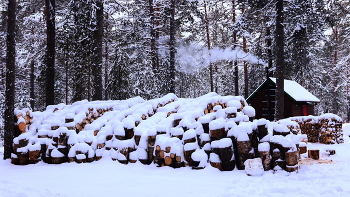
x=297, y=100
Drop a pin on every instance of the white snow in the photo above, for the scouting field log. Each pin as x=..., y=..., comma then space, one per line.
x=297, y=92
x=56, y=153
x=190, y=146
x=311, y=180
x=265, y=146
x=281, y=128
x=191, y=133
x=249, y=111
x=217, y=124
x=254, y=167
x=109, y=178
x=225, y=142
x=213, y=157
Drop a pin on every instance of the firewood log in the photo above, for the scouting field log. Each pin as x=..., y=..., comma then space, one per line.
x=266, y=159
x=292, y=158
x=229, y=165
x=14, y=159
x=129, y=133
x=22, y=126
x=314, y=154
x=151, y=140
x=292, y=168
x=262, y=131
x=217, y=134
x=34, y=155
x=243, y=148
x=191, y=140
x=302, y=149
x=179, y=162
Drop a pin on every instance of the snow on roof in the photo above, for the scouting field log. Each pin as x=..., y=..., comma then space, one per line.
x=296, y=91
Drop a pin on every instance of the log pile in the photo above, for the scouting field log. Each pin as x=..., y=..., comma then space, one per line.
x=168, y=131
x=326, y=129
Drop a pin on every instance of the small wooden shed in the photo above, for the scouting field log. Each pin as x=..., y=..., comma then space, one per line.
x=297, y=100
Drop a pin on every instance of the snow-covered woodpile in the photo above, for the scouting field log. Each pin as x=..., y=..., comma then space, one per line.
x=168, y=131
x=326, y=129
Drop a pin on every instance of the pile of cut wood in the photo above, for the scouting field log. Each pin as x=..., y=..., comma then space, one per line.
x=326, y=129
x=168, y=131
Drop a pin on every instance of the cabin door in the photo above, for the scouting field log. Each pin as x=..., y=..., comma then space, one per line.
x=304, y=109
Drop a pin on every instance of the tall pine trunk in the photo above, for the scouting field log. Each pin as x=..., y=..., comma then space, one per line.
x=97, y=48
x=172, y=47
x=50, y=51
x=235, y=45
x=279, y=108
x=211, y=72
x=154, y=51
x=10, y=79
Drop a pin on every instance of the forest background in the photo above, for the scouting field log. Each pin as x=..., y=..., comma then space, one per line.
x=117, y=49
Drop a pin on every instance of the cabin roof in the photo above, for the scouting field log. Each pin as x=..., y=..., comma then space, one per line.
x=292, y=89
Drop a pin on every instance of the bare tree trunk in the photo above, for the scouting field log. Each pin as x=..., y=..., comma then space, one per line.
x=172, y=47
x=106, y=61
x=10, y=79
x=154, y=52
x=32, y=76
x=279, y=108
x=235, y=44
x=245, y=69
x=50, y=51
x=335, y=74
x=208, y=43
x=97, y=60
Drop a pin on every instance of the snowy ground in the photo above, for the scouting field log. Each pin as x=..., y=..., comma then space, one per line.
x=110, y=178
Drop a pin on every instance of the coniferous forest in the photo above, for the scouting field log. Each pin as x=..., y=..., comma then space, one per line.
x=69, y=50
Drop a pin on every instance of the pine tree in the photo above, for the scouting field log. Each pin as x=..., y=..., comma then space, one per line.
x=10, y=79
x=50, y=51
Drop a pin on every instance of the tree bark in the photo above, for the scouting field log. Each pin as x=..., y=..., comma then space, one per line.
x=97, y=60
x=50, y=51
x=154, y=51
x=172, y=48
x=10, y=79
x=208, y=43
x=279, y=110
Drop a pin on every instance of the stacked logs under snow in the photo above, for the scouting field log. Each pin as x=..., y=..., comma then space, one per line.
x=326, y=129
x=169, y=131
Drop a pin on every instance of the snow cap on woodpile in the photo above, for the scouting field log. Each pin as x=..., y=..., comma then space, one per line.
x=217, y=124
x=201, y=156
x=264, y=147
x=249, y=111
x=330, y=116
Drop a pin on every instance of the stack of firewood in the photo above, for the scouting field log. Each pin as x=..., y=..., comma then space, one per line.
x=166, y=132
x=331, y=131
x=326, y=129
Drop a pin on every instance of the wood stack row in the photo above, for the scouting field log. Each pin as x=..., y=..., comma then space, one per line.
x=168, y=149
x=331, y=131
x=326, y=129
